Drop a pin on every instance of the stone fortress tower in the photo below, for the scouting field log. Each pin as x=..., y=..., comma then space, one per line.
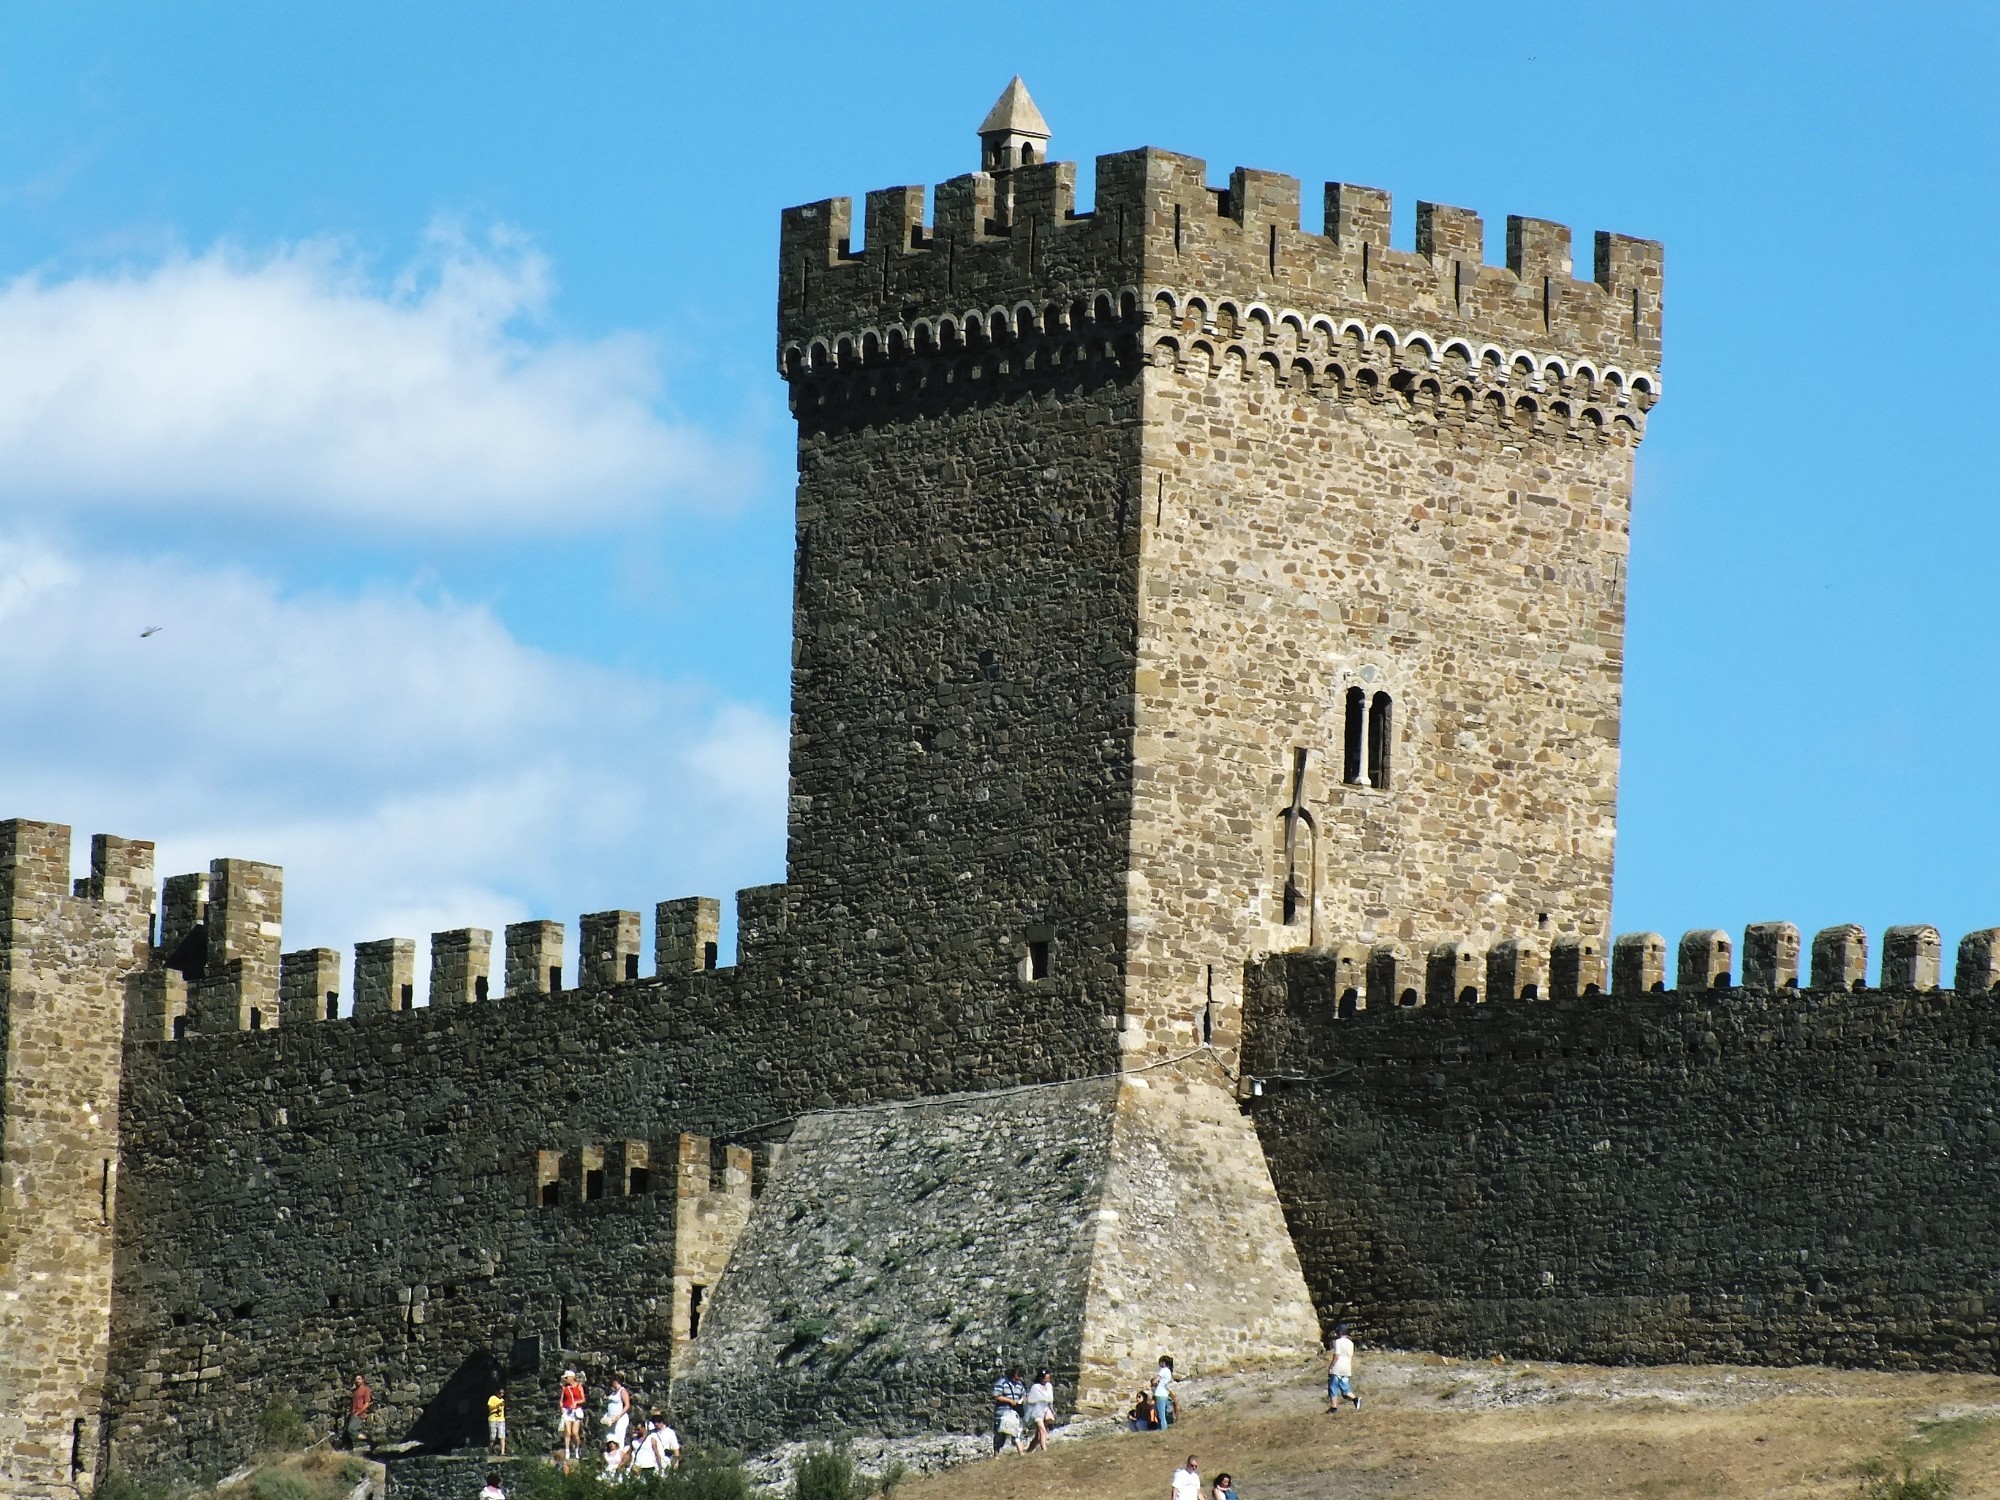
x=1207, y=652
x=1177, y=584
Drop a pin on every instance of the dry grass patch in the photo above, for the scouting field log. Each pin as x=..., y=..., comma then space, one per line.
x=1453, y=1430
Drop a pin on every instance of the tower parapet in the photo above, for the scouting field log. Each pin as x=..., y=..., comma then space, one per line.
x=1009, y=258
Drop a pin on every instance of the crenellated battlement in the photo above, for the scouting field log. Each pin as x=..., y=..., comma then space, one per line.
x=212, y=965
x=1162, y=257
x=1353, y=977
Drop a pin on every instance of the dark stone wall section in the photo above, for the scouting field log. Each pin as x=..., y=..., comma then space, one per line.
x=1762, y=1178
x=298, y=1205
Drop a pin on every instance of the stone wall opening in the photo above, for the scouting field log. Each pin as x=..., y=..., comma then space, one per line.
x=1355, y=737
x=1380, y=739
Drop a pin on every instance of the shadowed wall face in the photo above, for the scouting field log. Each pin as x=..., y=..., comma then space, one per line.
x=1779, y=1178
x=961, y=754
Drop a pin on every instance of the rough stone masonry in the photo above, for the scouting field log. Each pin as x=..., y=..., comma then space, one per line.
x=1185, y=600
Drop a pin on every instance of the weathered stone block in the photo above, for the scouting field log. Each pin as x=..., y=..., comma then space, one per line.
x=1453, y=974
x=534, y=958
x=308, y=986
x=1392, y=977
x=686, y=935
x=1705, y=955
x=1638, y=964
x=1839, y=958
x=1350, y=977
x=1912, y=958
x=609, y=948
x=461, y=966
x=385, y=976
x=1770, y=956
x=1978, y=962
x=760, y=921
x=1576, y=968
x=1517, y=969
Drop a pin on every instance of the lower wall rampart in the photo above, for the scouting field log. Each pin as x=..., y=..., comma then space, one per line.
x=1778, y=1177
x=391, y=1195
x=394, y=1192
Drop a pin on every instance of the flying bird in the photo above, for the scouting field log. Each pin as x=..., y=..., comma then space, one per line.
x=151, y=630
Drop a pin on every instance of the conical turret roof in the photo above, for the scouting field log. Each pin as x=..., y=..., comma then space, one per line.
x=1014, y=113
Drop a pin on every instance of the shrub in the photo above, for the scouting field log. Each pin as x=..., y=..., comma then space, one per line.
x=704, y=1474
x=280, y=1429
x=825, y=1474
x=278, y=1484
x=1905, y=1481
x=119, y=1485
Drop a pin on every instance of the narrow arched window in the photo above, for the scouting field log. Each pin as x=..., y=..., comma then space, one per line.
x=1379, y=741
x=1357, y=716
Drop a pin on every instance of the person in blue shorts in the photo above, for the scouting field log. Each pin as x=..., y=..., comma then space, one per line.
x=1340, y=1371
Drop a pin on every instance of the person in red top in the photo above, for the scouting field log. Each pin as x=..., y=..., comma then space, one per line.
x=357, y=1410
x=570, y=1415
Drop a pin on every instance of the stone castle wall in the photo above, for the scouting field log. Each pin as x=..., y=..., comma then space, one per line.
x=392, y=1193
x=65, y=957
x=1100, y=515
x=1772, y=1176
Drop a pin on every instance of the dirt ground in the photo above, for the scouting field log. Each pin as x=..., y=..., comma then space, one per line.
x=1445, y=1429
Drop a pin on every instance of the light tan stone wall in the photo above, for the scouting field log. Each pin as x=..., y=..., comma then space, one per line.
x=1304, y=539
x=1191, y=1256
x=709, y=1217
x=64, y=961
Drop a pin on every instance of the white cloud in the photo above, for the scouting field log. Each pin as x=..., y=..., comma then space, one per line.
x=292, y=383
x=411, y=764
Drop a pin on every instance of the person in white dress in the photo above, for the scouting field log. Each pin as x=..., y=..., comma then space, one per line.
x=1040, y=1408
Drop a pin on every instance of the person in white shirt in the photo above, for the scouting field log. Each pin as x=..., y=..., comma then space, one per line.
x=1340, y=1372
x=670, y=1447
x=647, y=1457
x=1187, y=1481
x=492, y=1491
x=1163, y=1393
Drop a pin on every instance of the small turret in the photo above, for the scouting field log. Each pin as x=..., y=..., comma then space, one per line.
x=1014, y=134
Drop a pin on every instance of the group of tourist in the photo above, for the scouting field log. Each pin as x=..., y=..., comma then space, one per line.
x=1023, y=1413
x=632, y=1445
x=1153, y=1408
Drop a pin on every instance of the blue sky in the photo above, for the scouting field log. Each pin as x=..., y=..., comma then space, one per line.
x=410, y=366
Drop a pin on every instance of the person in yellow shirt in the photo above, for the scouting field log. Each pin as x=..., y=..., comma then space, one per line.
x=496, y=1423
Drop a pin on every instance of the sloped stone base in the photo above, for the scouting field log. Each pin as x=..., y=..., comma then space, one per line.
x=901, y=1258
x=1193, y=1258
